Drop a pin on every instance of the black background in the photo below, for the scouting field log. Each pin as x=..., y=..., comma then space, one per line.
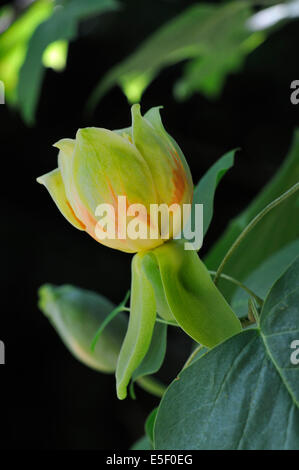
x=47, y=399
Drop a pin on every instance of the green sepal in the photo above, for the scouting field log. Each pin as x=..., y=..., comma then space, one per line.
x=151, y=269
x=140, y=329
x=194, y=300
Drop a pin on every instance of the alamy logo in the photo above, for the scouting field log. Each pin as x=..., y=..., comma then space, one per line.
x=134, y=222
x=295, y=94
x=2, y=92
x=2, y=353
x=295, y=354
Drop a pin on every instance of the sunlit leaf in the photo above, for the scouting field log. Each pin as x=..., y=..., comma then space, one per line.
x=55, y=55
x=14, y=42
x=214, y=35
x=61, y=26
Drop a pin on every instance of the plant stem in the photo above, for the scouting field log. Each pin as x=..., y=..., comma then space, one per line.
x=151, y=385
x=160, y=320
x=251, y=225
x=192, y=356
x=240, y=284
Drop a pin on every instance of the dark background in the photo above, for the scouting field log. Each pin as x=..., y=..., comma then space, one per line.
x=48, y=400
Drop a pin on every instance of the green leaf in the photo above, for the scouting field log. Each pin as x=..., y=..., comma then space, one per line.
x=269, y=17
x=149, y=425
x=276, y=230
x=207, y=74
x=204, y=191
x=76, y=315
x=261, y=279
x=140, y=329
x=154, y=357
x=62, y=25
x=214, y=33
x=244, y=393
x=142, y=444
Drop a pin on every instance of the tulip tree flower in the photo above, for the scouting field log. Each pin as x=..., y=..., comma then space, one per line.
x=141, y=167
x=140, y=164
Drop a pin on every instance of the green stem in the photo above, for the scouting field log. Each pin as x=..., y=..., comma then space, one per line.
x=120, y=308
x=160, y=320
x=192, y=356
x=240, y=284
x=251, y=225
x=151, y=385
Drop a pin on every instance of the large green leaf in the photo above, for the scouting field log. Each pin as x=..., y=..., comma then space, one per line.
x=212, y=32
x=278, y=228
x=62, y=25
x=76, y=315
x=244, y=393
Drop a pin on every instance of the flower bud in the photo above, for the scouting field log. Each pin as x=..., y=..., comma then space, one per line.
x=121, y=175
x=76, y=314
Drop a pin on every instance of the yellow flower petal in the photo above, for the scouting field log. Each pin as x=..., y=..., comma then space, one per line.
x=54, y=184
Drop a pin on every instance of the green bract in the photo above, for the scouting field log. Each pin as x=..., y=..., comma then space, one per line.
x=76, y=314
x=174, y=283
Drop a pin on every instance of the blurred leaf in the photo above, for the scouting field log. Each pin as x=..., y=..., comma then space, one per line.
x=76, y=315
x=214, y=33
x=62, y=25
x=14, y=42
x=204, y=191
x=276, y=230
x=55, y=55
x=154, y=357
x=142, y=444
x=261, y=279
x=208, y=73
x=244, y=393
x=275, y=14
